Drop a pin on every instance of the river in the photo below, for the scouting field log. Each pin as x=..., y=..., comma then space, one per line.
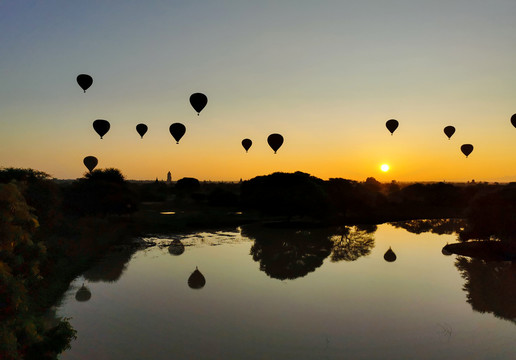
x=263, y=293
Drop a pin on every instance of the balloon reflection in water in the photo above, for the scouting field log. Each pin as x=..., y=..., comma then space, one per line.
x=389, y=255
x=445, y=252
x=196, y=280
x=83, y=294
x=176, y=248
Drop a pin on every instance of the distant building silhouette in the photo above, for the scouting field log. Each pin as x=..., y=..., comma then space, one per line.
x=169, y=178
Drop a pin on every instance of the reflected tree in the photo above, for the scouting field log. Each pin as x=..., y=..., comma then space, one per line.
x=352, y=242
x=111, y=267
x=435, y=226
x=286, y=253
x=490, y=286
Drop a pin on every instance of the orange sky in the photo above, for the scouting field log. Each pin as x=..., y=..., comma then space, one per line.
x=325, y=75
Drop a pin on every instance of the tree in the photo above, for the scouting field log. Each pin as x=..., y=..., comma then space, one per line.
x=20, y=257
x=286, y=194
x=101, y=192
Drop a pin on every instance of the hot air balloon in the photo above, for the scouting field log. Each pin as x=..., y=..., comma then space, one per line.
x=84, y=81
x=246, y=143
x=177, y=130
x=389, y=255
x=196, y=280
x=392, y=125
x=466, y=149
x=513, y=120
x=101, y=127
x=449, y=131
x=275, y=141
x=176, y=247
x=90, y=162
x=198, y=102
x=83, y=294
x=141, y=129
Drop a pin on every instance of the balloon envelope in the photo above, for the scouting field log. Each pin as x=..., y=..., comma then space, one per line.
x=275, y=141
x=177, y=130
x=101, y=127
x=466, y=149
x=84, y=81
x=90, y=162
x=513, y=120
x=246, y=143
x=392, y=125
x=449, y=131
x=198, y=101
x=142, y=129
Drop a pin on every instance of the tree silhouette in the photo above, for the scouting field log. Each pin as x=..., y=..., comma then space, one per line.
x=101, y=192
x=286, y=194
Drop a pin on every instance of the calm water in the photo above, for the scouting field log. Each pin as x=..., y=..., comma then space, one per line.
x=285, y=294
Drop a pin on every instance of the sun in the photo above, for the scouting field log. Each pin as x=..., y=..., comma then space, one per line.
x=385, y=167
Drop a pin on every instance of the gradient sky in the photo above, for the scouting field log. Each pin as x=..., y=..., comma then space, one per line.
x=325, y=74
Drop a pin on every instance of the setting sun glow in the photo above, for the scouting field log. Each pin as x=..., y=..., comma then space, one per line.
x=384, y=167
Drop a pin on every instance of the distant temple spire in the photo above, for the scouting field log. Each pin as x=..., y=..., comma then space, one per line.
x=169, y=177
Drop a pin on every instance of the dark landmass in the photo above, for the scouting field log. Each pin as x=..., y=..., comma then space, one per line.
x=486, y=250
x=51, y=231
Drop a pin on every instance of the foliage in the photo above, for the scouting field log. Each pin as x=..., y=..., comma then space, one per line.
x=40, y=192
x=187, y=185
x=286, y=194
x=20, y=257
x=101, y=192
x=492, y=213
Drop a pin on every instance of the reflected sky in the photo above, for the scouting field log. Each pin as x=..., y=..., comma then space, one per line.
x=414, y=307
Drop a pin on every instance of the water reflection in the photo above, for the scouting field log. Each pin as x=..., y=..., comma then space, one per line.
x=83, y=294
x=288, y=254
x=435, y=226
x=196, y=280
x=176, y=247
x=389, y=255
x=352, y=242
x=111, y=267
x=490, y=286
x=344, y=301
